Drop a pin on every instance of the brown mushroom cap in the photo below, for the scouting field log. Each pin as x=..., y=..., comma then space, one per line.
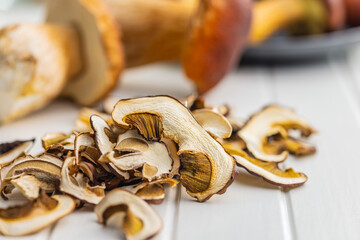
x=101, y=45
x=336, y=14
x=352, y=12
x=217, y=37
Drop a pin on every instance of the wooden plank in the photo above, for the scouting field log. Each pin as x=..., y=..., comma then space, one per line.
x=251, y=208
x=327, y=207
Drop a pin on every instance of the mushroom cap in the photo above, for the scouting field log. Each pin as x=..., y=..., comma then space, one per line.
x=101, y=45
x=352, y=12
x=216, y=38
x=337, y=16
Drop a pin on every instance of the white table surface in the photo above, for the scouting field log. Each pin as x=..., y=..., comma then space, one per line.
x=327, y=207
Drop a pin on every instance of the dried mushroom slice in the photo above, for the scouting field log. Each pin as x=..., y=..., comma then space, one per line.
x=206, y=168
x=65, y=140
x=36, y=215
x=269, y=171
x=277, y=144
x=84, y=143
x=152, y=192
x=130, y=213
x=173, y=149
x=134, y=152
x=105, y=138
x=270, y=121
x=30, y=186
x=10, y=151
x=213, y=122
x=82, y=123
x=76, y=184
x=46, y=168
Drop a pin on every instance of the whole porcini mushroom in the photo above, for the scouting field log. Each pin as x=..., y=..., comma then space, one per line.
x=130, y=213
x=77, y=53
x=206, y=168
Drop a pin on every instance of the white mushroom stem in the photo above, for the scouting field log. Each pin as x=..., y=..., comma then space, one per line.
x=35, y=63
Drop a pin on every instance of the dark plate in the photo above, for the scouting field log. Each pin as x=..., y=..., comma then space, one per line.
x=284, y=48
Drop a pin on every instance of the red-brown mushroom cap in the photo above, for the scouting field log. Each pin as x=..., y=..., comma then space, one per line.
x=336, y=14
x=352, y=12
x=217, y=36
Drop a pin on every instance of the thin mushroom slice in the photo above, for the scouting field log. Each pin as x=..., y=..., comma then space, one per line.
x=133, y=215
x=46, y=168
x=270, y=121
x=10, y=151
x=277, y=144
x=83, y=142
x=213, y=122
x=76, y=184
x=269, y=171
x=206, y=168
x=105, y=138
x=36, y=215
x=30, y=186
x=82, y=123
x=152, y=192
x=65, y=140
x=135, y=152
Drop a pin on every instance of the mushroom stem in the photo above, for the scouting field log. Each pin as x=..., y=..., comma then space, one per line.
x=272, y=15
x=34, y=58
x=152, y=30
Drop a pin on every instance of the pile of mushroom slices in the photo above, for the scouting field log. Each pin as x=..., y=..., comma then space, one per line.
x=119, y=161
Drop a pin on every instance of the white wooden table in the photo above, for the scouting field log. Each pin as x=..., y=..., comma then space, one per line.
x=327, y=207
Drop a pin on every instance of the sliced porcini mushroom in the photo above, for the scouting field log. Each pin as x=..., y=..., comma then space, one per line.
x=277, y=144
x=270, y=121
x=82, y=123
x=173, y=149
x=214, y=123
x=84, y=142
x=36, y=215
x=152, y=192
x=105, y=138
x=35, y=63
x=206, y=168
x=101, y=47
x=133, y=215
x=76, y=184
x=217, y=37
x=10, y=151
x=65, y=140
x=30, y=186
x=46, y=168
x=134, y=152
x=269, y=171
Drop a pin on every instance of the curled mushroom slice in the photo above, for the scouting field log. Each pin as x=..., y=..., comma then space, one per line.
x=269, y=171
x=105, y=138
x=213, y=122
x=277, y=144
x=30, y=186
x=270, y=121
x=206, y=168
x=65, y=140
x=152, y=192
x=135, y=152
x=46, y=168
x=76, y=184
x=10, y=151
x=36, y=215
x=130, y=213
x=84, y=142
